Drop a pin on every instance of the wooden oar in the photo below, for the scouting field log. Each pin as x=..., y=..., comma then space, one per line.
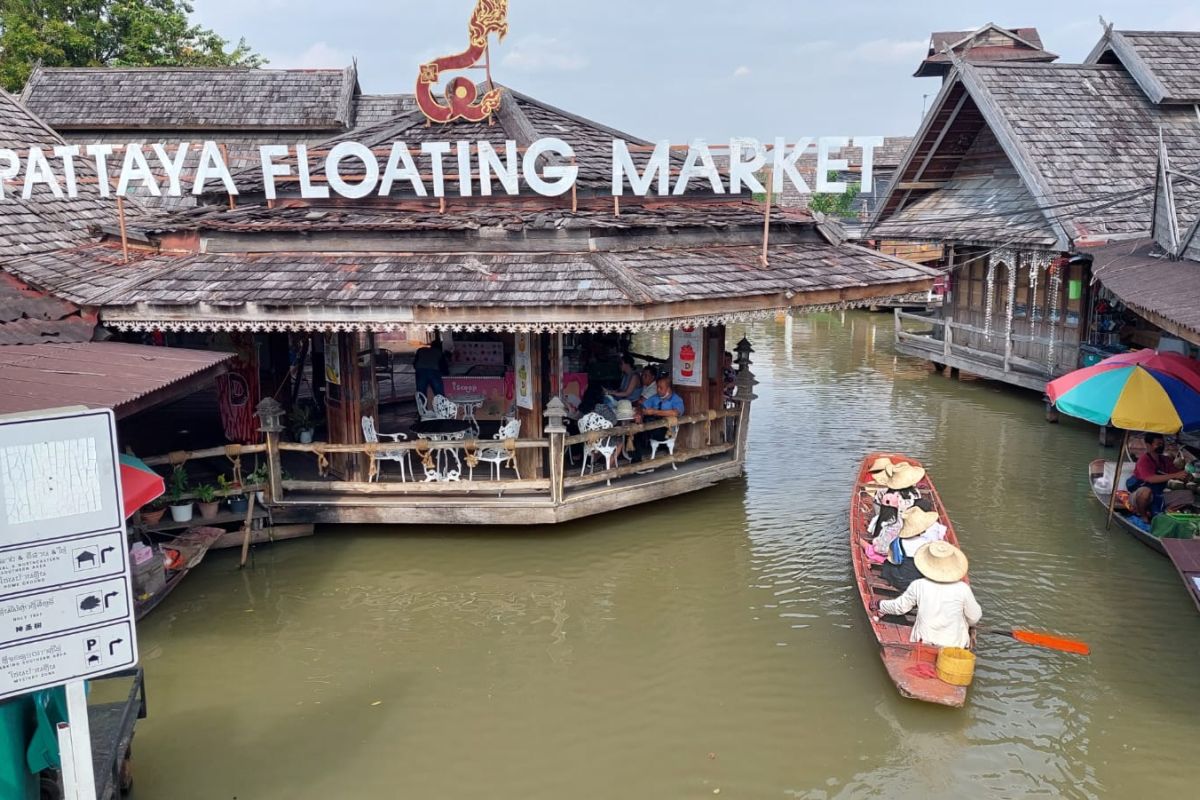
x=1043, y=640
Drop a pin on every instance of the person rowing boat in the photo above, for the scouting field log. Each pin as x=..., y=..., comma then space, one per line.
x=946, y=606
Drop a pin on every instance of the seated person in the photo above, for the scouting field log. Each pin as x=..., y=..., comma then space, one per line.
x=920, y=527
x=649, y=385
x=946, y=606
x=1150, y=476
x=665, y=404
x=631, y=384
x=730, y=376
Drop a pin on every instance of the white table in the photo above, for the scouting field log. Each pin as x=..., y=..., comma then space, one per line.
x=469, y=403
x=441, y=432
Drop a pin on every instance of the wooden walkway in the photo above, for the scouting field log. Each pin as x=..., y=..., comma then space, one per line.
x=1185, y=555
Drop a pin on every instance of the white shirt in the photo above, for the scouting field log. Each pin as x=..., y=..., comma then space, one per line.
x=934, y=533
x=945, y=612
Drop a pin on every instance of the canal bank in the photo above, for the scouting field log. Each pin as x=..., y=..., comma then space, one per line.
x=712, y=641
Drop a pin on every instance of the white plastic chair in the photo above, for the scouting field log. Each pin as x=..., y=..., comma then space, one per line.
x=669, y=443
x=605, y=446
x=444, y=407
x=498, y=455
x=401, y=457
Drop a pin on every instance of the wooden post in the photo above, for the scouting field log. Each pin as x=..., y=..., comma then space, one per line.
x=767, y=218
x=947, y=338
x=247, y=533
x=1112, y=497
x=124, y=234
x=270, y=422
x=530, y=461
x=896, y=322
x=557, y=433
x=744, y=396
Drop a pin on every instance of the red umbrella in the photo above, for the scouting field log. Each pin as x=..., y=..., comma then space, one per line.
x=139, y=483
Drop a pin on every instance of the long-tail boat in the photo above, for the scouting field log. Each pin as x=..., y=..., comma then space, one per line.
x=910, y=665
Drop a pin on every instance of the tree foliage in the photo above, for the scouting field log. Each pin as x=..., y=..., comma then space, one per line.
x=836, y=205
x=98, y=33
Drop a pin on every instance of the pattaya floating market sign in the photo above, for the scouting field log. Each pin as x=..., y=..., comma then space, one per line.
x=438, y=169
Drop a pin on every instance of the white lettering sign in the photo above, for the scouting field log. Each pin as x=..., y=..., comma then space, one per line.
x=353, y=170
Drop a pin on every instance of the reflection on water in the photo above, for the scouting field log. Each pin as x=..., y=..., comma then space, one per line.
x=707, y=642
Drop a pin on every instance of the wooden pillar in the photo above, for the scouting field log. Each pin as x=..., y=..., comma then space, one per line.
x=528, y=459
x=556, y=432
x=347, y=399
x=270, y=416
x=744, y=397
x=714, y=379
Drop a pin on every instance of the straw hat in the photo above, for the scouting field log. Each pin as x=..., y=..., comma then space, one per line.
x=916, y=522
x=941, y=562
x=902, y=476
x=881, y=463
x=624, y=410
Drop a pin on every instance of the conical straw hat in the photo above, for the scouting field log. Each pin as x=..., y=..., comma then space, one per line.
x=881, y=463
x=902, y=476
x=916, y=522
x=941, y=562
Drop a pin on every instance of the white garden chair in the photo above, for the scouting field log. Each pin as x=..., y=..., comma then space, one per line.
x=401, y=457
x=497, y=455
x=444, y=407
x=669, y=443
x=604, y=445
x=424, y=412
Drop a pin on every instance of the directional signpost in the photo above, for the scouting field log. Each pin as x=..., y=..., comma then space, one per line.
x=66, y=600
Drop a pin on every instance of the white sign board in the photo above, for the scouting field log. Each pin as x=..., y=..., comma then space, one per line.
x=687, y=357
x=66, y=599
x=523, y=369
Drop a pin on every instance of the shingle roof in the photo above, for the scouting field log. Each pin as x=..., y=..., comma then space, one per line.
x=535, y=282
x=1164, y=63
x=31, y=317
x=1079, y=136
x=1146, y=281
x=43, y=222
x=372, y=109
x=988, y=43
x=192, y=98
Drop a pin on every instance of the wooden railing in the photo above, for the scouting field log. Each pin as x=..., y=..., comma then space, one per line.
x=928, y=341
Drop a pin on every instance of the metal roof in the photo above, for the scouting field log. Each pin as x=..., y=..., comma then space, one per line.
x=127, y=378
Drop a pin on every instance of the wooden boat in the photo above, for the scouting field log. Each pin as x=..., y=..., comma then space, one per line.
x=909, y=664
x=1096, y=470
x=192, y=546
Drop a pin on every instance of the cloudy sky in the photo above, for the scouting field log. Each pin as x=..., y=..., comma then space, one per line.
x=676, y=69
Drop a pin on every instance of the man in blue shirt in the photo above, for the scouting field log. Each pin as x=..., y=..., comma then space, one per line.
x=665, y=404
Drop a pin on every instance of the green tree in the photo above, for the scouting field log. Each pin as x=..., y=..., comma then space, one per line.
x=97, y=33
x=836, y=205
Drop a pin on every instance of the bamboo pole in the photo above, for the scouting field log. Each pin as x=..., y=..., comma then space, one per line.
x=124, y=233
x=767, y=217
x=246, y=527
x=1112, y=497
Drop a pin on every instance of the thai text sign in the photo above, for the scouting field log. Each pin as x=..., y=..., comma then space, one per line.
x=353, y=170
x=66, y=605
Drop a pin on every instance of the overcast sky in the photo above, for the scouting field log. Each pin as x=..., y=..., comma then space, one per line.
x=681, y=70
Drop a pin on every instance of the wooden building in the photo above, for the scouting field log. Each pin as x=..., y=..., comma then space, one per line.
x=1016, y=170
x=534, y=280
x=988, y=42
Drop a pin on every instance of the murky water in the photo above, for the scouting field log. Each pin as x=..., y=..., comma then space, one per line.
x=712, y=642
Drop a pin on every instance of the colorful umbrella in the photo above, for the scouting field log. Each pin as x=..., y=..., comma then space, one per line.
x=1142, y=391
x=139, y=483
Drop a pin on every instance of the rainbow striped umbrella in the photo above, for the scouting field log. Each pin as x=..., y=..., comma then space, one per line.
x=1141, y=391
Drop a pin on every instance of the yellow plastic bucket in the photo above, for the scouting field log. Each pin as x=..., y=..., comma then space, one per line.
x=956, y=666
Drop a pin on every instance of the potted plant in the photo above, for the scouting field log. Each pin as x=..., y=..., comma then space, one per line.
x=259, y=477
x=206, y=494
x=154, y=511
x=238, y=502
x=302, y=424
x=181, y=510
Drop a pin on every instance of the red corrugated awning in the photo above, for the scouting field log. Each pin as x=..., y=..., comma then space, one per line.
x=127, y=378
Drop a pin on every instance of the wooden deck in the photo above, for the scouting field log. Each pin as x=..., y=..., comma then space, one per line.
x=478, y=503
x=935, y=343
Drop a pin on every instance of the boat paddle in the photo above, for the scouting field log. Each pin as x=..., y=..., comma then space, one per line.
x=1042, y=640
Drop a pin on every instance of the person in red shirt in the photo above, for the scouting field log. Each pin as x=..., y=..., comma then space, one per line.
x=1150, y=476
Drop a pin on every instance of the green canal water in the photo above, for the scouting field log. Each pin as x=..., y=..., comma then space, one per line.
x=711, y=644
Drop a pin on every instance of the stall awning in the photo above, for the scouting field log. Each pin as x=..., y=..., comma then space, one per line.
x=127, y=378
